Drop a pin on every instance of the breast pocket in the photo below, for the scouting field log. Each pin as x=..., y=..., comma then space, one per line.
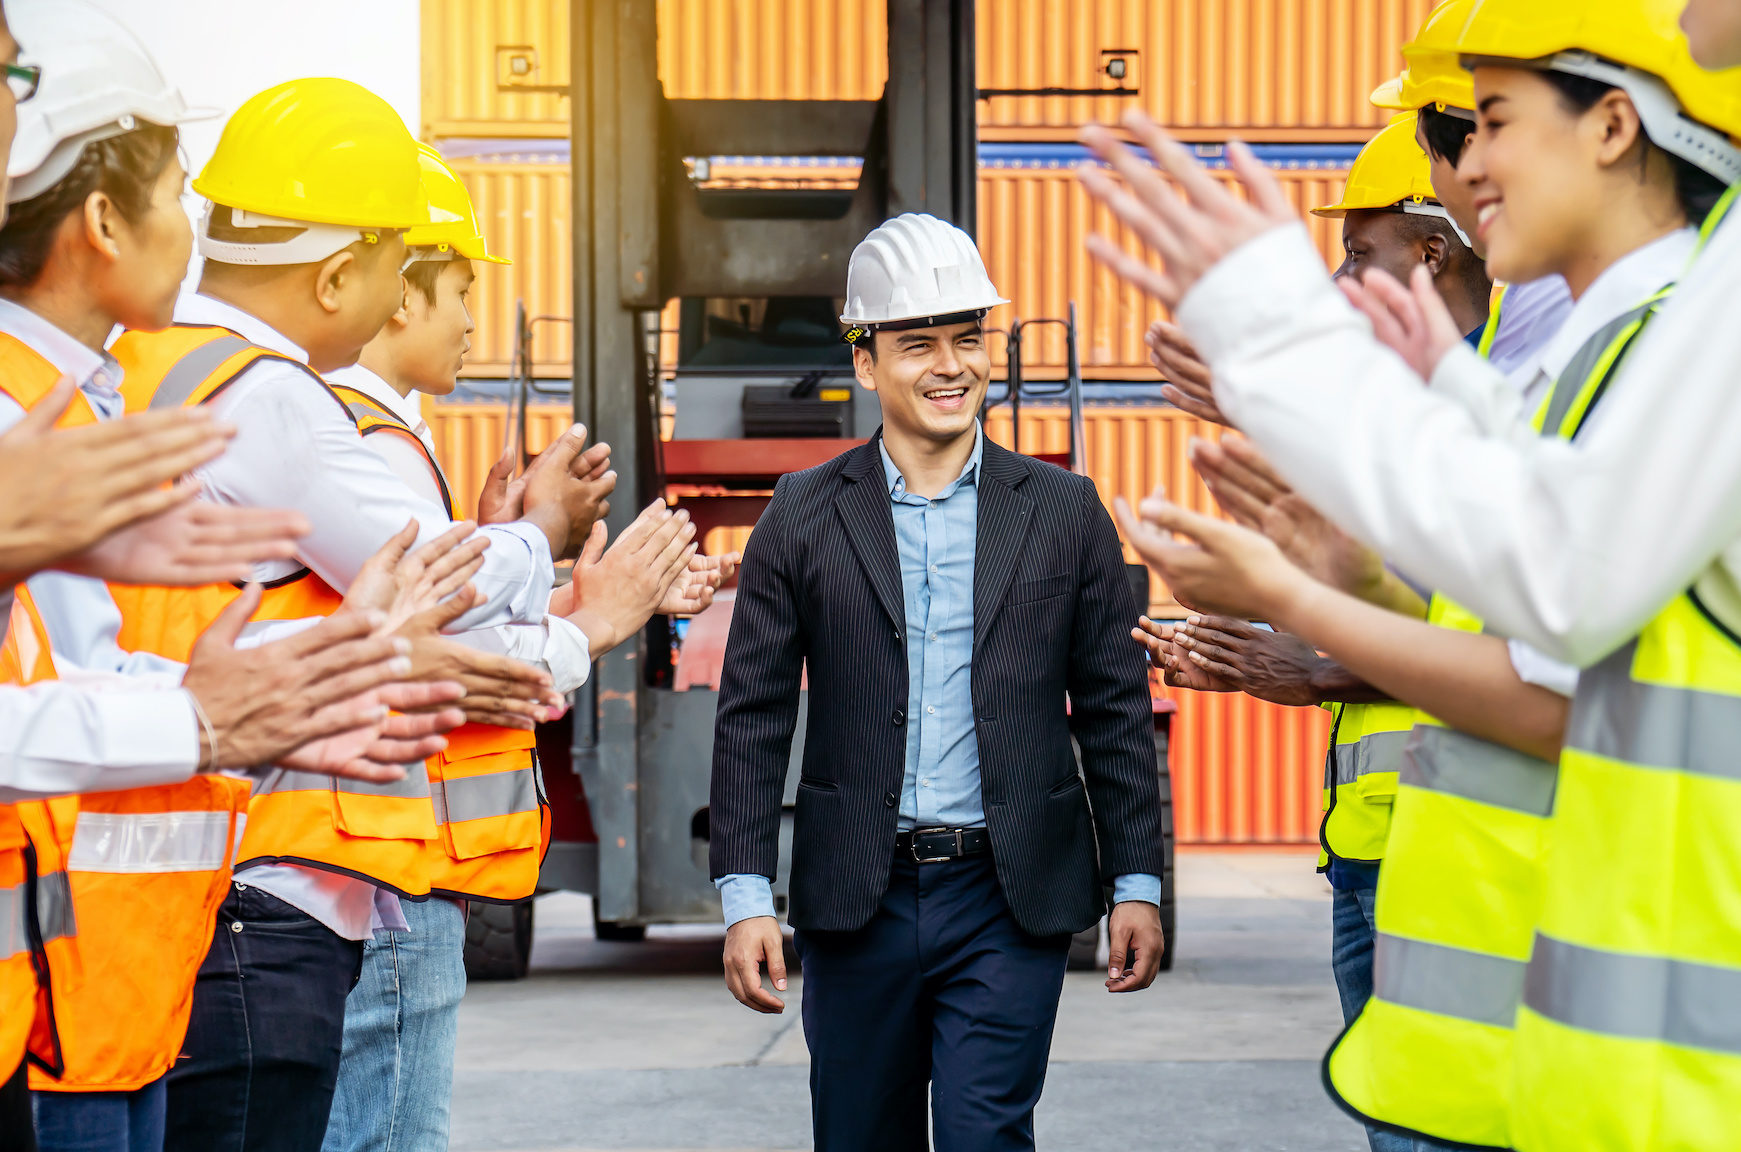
x=1028, y=591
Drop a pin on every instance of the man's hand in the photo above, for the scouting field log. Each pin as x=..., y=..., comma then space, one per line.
x=692, y=592
x=1189, y=235
x=567, y=489
x=379, y=752
x=616, y=591
x=499, y=690
x=1225, y=569
x=1272, y=666
x=1134, y=929
x=399, y=585
x=192, y=543
x=263, y=702
x=1160, y=640
x=750, y=944
x=68, y=488
x=1187, y=386
x=503, y=499
x=1413, y=322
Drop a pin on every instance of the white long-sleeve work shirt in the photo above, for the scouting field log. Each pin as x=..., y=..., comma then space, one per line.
x=555, y=644
x=86, y=731
x=1570, y=547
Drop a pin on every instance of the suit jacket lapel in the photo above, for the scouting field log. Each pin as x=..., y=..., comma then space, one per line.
x=863, y=505
x=1004, y=518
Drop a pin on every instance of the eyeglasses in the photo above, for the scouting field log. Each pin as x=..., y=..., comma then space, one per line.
x=23, y=79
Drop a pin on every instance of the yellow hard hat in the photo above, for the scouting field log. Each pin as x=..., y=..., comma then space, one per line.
x=321, y=151
x=453, y=226
x=1432, y=75
x=1636, y=45
x=1390, y=172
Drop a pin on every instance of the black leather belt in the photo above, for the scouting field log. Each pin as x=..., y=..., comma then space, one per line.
x=931, y=845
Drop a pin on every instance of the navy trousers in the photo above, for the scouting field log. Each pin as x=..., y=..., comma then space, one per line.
x=262, y=1051
x=942, y=989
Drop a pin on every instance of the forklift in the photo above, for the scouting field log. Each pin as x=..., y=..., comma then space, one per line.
x=763, y=386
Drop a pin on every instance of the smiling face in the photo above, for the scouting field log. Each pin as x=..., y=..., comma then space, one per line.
x=1536, y=171
x=930, y=381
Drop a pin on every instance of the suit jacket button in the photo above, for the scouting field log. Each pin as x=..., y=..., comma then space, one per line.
x=899, y=718
x=889, y=799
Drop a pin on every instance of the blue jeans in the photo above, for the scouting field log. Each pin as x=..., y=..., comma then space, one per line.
x=1351, y=944
x=401, y=1022
x=101, y=1121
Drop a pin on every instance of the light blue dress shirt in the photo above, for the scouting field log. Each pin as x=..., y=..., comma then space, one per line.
x=935, y=540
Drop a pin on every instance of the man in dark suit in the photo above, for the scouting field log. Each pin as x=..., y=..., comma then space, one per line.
x=963, y=612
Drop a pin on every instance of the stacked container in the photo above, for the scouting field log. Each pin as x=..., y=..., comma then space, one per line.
x=1288, y=75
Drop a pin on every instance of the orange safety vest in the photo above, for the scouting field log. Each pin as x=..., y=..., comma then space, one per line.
x=375, y=832
x=489, y=795
x=146, y=869
x=36, y=905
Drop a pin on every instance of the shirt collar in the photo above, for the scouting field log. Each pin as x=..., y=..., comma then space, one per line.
x=969, y=472
x=93, y=371
x=408, y=408
x=197, y=308
x=1623, y=285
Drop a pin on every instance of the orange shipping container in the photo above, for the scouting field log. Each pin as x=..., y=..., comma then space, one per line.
x=479, y=56
x=1244, y=771
x=1034, y=220
x=1277, y=70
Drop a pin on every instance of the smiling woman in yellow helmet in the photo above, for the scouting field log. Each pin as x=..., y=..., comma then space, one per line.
x=1585, y=164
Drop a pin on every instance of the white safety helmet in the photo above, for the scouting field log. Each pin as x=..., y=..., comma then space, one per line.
x=916, y=271
x=97, y=81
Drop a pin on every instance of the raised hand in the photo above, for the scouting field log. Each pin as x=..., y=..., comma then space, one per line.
x=1221, y=568
x=68, y=488
x=567, y=489
x=692, y=592
x=262, y=703
x=503, y=499
x=1187, y=386
x=1272, y=666
x=1160, y=640
x=399, y=584
x=1413, y=322
x=499, y=690
x=379, y=751
x=192, y=543
x=1188, y=235
x=616, y=590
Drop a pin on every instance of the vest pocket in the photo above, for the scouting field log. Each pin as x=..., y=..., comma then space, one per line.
x=398, y=811
x=490, y=804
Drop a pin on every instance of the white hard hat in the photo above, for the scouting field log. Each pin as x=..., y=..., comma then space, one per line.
x=97, y=81
x=916, y=267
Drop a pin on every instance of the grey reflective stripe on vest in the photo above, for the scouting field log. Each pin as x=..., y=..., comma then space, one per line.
x=192, y=370
x=1457, y=764
x=414, y=786
x=1569, y=385
x=54, y=906
x=54, y=913
x=491, y=794
x=358, y=410
x=1450, y=981
x=1377, y=752
x=1653, y=725
x=1636, y=997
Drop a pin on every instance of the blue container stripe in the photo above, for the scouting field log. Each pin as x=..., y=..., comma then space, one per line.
x=991, y=155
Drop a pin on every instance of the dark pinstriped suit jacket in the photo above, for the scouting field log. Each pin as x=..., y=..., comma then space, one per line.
x=821, y=583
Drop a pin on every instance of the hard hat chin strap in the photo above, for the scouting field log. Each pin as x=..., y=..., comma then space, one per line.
x=314, y=243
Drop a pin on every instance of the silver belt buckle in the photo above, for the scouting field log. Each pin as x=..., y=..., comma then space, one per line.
x=918, y=832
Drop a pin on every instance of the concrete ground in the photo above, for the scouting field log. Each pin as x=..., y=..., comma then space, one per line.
x=639, y=1046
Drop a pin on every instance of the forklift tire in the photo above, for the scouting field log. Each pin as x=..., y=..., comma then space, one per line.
x=498, y=941
x=615, y=932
